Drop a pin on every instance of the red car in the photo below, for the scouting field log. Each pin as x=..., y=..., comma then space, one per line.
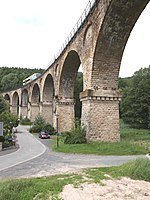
x=44, y=135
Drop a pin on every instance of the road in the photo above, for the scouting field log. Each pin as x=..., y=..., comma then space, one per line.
x=34, y=159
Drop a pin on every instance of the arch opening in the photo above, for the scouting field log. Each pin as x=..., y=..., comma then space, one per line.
x=116, y=28
x=48, y=91
x=35, y=98
x=69, y=91
x=7, y=98
x=69, y=74
x=15, y=104
x=24, y=97
x=48, y=108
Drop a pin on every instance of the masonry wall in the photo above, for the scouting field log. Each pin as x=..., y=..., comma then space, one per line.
x=24, y=111
x=34, y=112
x=66, y=117
x=47, y=112
x=101, y=119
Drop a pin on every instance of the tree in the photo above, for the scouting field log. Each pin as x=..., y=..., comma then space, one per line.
x=3, y=105
x=10, y=81
x=135, y=105
x=9, y=120
x=11, y=78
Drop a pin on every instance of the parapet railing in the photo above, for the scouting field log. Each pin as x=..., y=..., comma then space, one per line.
x=74, y=30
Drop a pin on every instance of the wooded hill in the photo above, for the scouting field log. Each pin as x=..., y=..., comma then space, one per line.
x=12, y=77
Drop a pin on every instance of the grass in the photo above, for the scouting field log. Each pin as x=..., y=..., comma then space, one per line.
x=43, y=188
x=138, y=169
x=133, y=142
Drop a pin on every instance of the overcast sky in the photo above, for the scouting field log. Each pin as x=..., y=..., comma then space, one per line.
x=32, y=32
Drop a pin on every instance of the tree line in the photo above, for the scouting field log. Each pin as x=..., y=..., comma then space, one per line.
x=11, y=78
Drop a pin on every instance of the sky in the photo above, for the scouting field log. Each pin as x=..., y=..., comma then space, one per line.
x=32, y=32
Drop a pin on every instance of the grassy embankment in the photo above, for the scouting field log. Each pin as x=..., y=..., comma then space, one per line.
x=46, y=187
x=133, y=142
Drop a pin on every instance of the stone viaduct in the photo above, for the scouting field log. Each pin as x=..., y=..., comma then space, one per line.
x=97, y=43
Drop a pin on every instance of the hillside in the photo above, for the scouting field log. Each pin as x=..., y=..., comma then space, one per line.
x=11, y=78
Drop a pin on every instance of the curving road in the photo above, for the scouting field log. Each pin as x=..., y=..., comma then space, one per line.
x=34, y=158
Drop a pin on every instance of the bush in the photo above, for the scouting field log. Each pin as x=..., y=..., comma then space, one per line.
x=48, y=128
x=25, y=121
x=40, y=125
x=76, y=136
x=2, y=139
x=9, y=121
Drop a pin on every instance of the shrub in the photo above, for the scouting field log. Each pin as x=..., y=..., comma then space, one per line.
x=9, y=121
x=76, y=136
x=48, y=128
x=2, y=139
x=40, y=125
x=25, y=121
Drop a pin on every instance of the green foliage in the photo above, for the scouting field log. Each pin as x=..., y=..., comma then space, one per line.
x=133, y=142
x=2, y=139
x=8, y=118
x=3, y=105
x=40, y=125
x=12, y=78
x=138, y=169
x=25, y=121
x=135, y=104
x=37, y=188
x=76, y=136
x=48, y=128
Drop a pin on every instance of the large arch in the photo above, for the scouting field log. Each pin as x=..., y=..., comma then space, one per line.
x=24, y=103
x=117, y=25
x=101, y=109
x=65, y=103
x=15, y=103
x=48, y=99
x=68, y=75
x=35, y=102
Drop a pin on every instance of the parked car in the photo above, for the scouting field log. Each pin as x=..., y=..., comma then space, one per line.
x=44, y=135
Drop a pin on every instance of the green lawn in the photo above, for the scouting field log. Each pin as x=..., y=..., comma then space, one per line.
x=46, y=187
x=133, y=142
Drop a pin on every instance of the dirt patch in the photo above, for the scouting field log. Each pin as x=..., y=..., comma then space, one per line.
x=109, y=189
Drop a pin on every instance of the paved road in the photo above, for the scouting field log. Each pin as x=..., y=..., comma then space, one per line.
x=35, y=159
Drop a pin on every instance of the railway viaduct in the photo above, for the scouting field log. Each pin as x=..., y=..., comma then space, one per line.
x=97, y=43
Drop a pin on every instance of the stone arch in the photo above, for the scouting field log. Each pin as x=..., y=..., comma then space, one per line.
x=48, y=99
x=48, y=89
x=24, y=103
x=118, y=23
x=7, y=98
x=100, y=104
x=24, y=97
x=35, y=97
x=15, y=103
x=68, y=75
x=65, y=101
x=35, y=102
